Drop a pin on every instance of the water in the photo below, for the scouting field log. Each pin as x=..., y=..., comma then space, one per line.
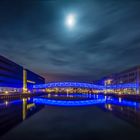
x=36, y=118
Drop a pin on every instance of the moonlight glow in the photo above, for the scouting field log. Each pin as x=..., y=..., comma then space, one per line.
x=70, y=20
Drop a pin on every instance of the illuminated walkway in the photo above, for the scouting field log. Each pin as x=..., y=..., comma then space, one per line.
x=84, y=85
x=68, y=84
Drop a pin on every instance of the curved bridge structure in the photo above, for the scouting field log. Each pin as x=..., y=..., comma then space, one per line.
x=68, y=84
x=84, y=85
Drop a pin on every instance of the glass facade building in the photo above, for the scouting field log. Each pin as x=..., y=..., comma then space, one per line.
x=12, y=76
x=33, y=78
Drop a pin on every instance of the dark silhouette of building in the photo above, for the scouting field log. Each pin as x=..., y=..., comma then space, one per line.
x=15, y=78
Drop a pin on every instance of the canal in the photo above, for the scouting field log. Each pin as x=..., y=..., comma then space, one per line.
x=69, y=117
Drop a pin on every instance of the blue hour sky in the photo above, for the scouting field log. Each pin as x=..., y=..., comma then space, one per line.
x=105, y=38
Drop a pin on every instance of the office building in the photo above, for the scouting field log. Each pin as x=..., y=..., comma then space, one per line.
x=129, y=76
x=15, y=78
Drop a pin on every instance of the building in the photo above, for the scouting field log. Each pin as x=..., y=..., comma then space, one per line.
x=15, y=78
x=32, y=78
x=129, y=76
x=11, y=75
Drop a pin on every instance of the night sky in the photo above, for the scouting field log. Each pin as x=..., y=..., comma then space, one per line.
x=105, y=38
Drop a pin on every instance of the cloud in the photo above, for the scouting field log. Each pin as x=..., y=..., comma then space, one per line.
x=105, y=39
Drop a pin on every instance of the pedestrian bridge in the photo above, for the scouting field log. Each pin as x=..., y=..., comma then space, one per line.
x=84, y=85
x=68, y=84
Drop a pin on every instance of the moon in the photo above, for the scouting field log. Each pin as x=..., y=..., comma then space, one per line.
x=70, y=20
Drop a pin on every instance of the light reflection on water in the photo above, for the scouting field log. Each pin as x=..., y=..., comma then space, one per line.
x=83, y=100
x=126, y=113
x=14, y=112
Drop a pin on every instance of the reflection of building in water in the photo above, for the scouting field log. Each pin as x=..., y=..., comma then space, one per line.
x=11, y=114
x=26, y=107
x=132, y=115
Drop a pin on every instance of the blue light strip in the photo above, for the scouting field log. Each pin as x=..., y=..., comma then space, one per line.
x=53, y=102
x=67, y=103
x=85, y=85
x=123, y=103
x=68, y=84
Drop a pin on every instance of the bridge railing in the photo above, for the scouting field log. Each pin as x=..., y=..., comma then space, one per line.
x=85, y=85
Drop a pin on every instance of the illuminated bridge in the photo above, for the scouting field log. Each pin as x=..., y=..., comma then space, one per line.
x=83, y=85
x=68, y=84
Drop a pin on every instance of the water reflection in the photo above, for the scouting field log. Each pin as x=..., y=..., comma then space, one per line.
x=83, y=100
x=13, y=112
x=127, y=113
x=124, y=109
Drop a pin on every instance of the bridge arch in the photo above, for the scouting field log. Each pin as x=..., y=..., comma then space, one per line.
x=68, y=84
